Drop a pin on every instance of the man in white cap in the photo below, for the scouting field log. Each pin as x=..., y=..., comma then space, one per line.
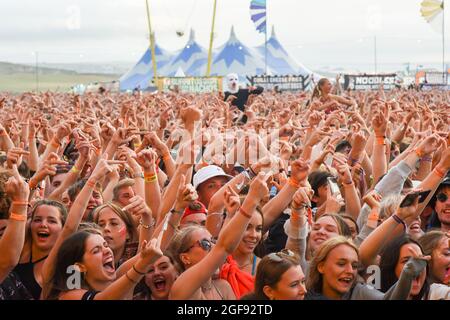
x=207, y=181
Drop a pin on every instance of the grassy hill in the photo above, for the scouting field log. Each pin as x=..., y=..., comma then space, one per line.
x=19, y=78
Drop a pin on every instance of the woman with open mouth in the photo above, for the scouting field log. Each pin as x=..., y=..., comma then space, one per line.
x=158, y=281
x=47, y=221
x=92, y=273
x=333, y=274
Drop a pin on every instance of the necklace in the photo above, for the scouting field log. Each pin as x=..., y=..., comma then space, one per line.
x=245, y=264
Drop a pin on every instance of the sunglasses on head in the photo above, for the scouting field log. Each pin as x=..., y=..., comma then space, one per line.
x=205, y=244
x=278, y=256
x=442, y=197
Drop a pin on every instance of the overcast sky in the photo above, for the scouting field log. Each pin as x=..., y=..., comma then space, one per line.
x=315, y=32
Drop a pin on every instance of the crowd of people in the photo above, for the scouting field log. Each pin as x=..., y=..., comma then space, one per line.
x=154, y=196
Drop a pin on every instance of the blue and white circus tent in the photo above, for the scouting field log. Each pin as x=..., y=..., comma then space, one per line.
x=140, y=75
x=235, y=57
x=278, y=59
x=192, y=59
x=280, y=62
x=231, y=57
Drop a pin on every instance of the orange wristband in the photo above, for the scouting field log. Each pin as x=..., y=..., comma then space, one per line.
x=419, y=153
x=32, y=185
x=440, y=173
x=294, y=183
x=245, y=214
x=381, y=141
x=55, y=144
x=20, y=203
x=295, y=216
x=17, y=216
x=91, y=183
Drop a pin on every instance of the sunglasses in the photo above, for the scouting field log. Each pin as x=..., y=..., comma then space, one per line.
x=205, y=244
x=278, y=256
x=442, y=197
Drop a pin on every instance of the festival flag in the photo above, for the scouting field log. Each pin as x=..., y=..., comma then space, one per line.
x=258, y=14
x=433, y=13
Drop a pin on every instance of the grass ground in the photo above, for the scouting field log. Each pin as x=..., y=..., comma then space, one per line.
x=20, y=82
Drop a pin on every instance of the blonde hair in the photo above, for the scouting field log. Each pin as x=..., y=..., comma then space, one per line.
x=315, y=278
x=121, y=184
x=180, y=244
x=388, y=205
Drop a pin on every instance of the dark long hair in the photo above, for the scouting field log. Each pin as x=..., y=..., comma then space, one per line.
x=389, y=260
x=71, y=251
x=317, y=92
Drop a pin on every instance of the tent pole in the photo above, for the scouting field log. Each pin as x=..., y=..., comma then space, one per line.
x=265, y=50
x=152, y=44
x=444, y=72
x=208, y=69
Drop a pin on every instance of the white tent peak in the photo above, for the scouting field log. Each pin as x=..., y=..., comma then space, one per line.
x=191, y=37
x=233, y=39
x=180, y=73
x=273, y=35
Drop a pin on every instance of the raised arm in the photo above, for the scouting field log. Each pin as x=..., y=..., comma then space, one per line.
x=12, y=241
x=373, y=244
x=274, y=208
x=190, y=280
x=379, y=124
x=76, y=214
x=146, y=159
x=296, y=228
x=83, y=148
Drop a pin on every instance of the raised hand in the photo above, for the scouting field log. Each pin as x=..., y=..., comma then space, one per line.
x=14, y=157
x=258, y=188
x=379, y=124
x=63, y=131
x=48, y=168
x=300, y=170
x=410, y=212
x=372, y=199
x=16, y=188
x=344, y=173
x=149, y=254
x=333, y=204
x=231, y=200
x=153, y=140
x=104, y=167
x=146, y=159
x=429, y=144
x=185, y=195
x=138, y=207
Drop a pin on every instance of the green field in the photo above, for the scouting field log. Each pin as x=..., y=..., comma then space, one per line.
x=20, y=82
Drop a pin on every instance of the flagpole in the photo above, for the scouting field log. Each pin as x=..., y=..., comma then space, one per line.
x=152, y=45
x=265, y=45
x=208, y=69
x=444, y=72
x=265, y=48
